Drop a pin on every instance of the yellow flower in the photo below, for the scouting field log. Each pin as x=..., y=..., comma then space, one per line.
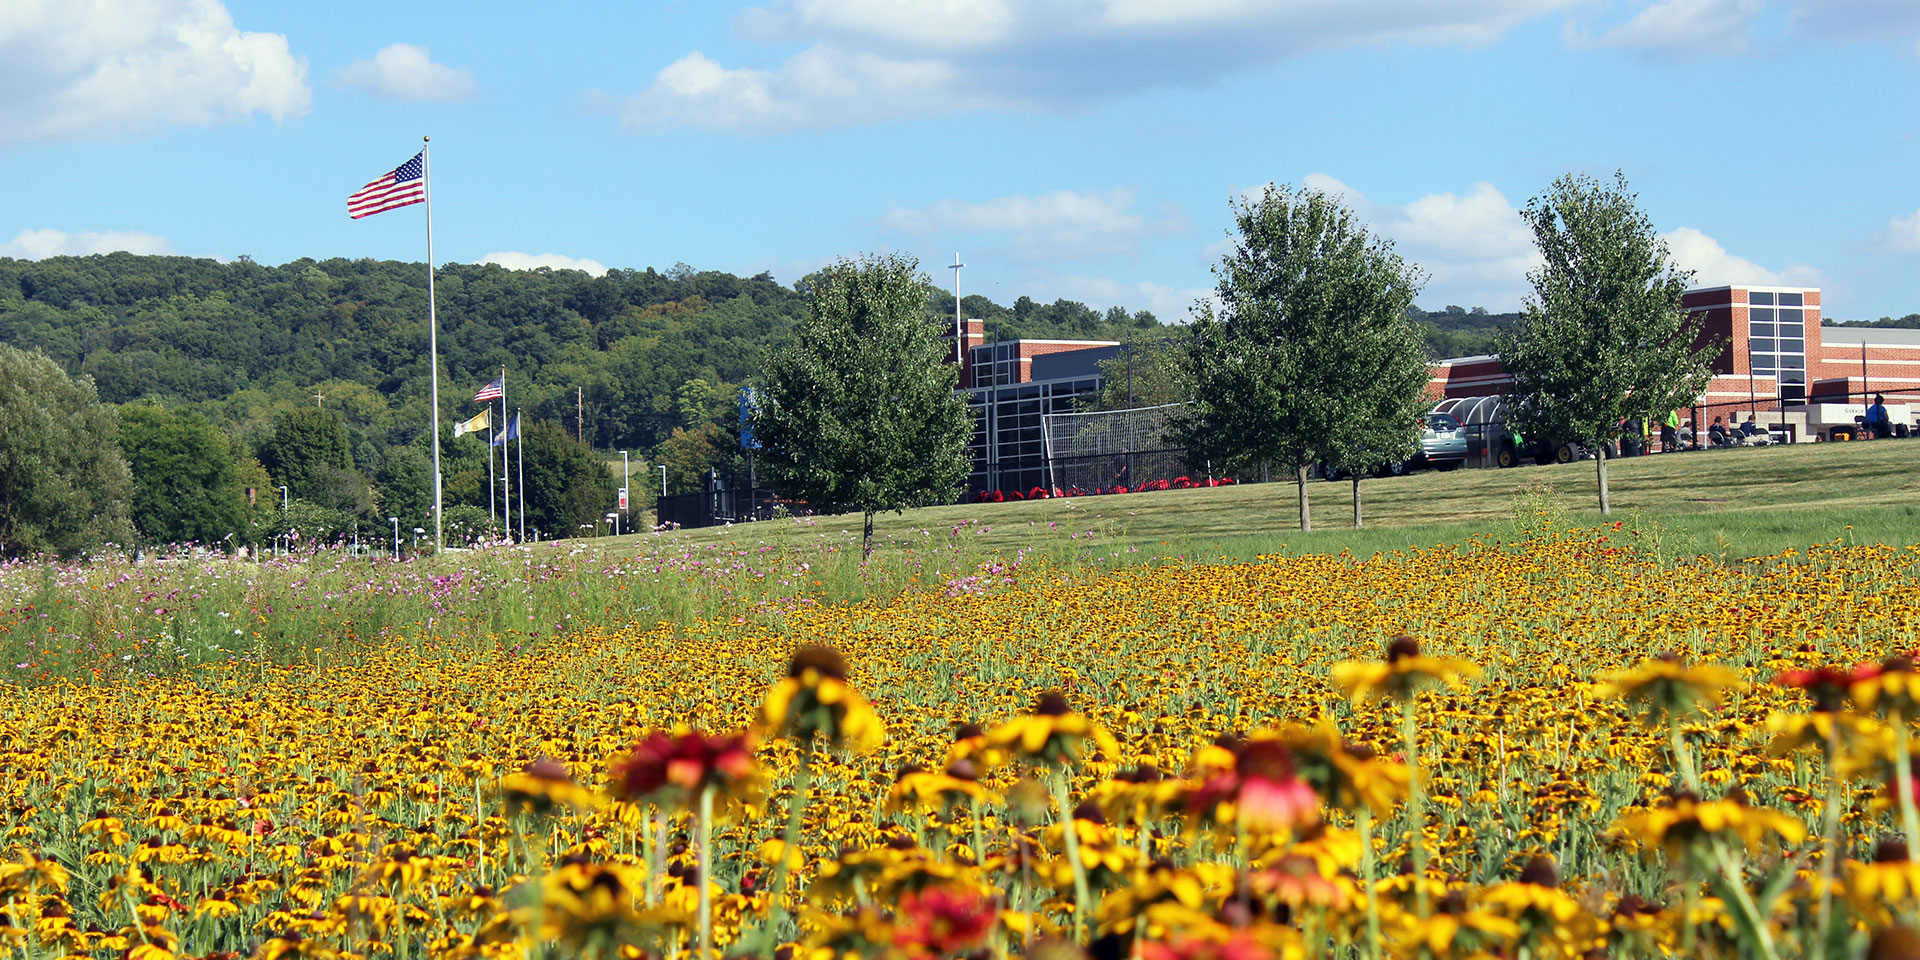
x=1401, y=675
x=1665, y=687
x=1690, y=820
x=1052, y=734
x=815, y=700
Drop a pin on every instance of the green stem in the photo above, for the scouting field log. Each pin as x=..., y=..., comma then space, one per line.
x=1682, y=759
x=1082, y=896
x=1416, y=808
x=789, y=841
x=1830, y=838
x=1365, y=820
x=1903, y=777
x=705, y=859
x=1730, y=869
x=979, y=838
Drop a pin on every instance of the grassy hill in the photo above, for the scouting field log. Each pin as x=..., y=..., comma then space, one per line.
x=1741, y=502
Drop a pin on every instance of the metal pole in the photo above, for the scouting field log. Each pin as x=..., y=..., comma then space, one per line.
x=506, y=476
x=626, y=492
x=520, y=471
x=433, y=342
x=663, y=479
x=959, y=331
x=283, y=515
x=396, y=536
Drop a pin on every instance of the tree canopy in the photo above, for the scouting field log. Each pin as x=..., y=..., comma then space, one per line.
x=64, y=485
x=1302, y=356
x=1605, y=337
x=860, y=411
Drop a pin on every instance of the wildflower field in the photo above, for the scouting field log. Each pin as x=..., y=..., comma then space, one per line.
x=1557, y=743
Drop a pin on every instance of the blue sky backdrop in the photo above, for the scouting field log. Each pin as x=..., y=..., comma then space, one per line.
x=1084, y=149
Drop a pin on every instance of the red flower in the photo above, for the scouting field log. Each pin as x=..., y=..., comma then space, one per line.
x=943, y=922
x=1826, y=685
x=664, y=764
x=1263, y=786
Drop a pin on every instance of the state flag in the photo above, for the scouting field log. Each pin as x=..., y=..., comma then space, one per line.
x=474, y=425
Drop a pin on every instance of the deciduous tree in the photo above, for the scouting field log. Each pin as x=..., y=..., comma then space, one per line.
x=1605, y=337
x=185, y=477
x=859, y=411
x=1303, y=356
x=64, y=485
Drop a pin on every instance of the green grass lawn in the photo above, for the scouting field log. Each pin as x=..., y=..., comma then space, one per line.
x=1745, y=501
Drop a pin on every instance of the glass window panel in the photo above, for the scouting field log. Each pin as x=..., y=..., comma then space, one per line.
x=1760, y=345
x=1793, y=346
x=1760, y=315
x=1789, y=316
x=1766, y=298
x=1792, y=329
x=1794, y=362
x=1760, y=330
x=1794, y=376
x=1790, y=300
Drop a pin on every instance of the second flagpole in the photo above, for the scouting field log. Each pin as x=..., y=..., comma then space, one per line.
x=433, y=342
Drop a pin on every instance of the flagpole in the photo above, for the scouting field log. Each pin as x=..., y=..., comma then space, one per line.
x=521, y=469
x=433, y=343
x=493, y=512
x=506, y=479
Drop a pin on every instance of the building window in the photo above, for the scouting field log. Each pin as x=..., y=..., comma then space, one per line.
x=1776, y=344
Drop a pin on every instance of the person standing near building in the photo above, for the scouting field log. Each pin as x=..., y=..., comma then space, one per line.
x=1877, y=419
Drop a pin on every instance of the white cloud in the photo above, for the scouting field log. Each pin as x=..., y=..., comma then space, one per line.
x=869, y=60
x=1713, y=266
x=406, y=72
x=1476, y=247
x=40, y=244
x=76, y=69
x=1059, y=225
x=1677, y=26
x=552, y=261
x=1169, y=304
x=820, y=87
x=1902, y=234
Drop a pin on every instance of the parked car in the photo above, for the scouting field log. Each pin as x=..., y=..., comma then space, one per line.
x=1443, y=442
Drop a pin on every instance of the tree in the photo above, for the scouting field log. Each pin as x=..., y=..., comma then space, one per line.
x=1385, y=367
x=1605, y=337
x=304, y=440
x=860, y=411
x=1309, y=314
x=64, y=485
x=566, y=484
x=1144, y=373
x=185, y=479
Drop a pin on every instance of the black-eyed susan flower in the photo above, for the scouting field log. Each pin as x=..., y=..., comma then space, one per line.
x=1403, y=672
x=1052, y=734
x=815, y=700
x=1666, y=688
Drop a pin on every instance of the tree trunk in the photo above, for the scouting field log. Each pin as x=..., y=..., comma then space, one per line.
x=866, y=539
x=1600, y=465
x=1306, y=512
x=1356, y=501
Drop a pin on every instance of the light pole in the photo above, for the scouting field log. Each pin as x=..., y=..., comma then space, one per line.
x=959, y=336
x=623, y=483
x=417, y=531
x=396, y=536
x=614, y=518
x=663, y=479
x=283, y=517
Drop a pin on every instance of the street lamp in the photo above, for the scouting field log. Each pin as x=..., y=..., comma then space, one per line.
x=614, y=518
x=283, y=514
x=663, y=481
x=623, y=482
x=417, y=531
x=396, y=537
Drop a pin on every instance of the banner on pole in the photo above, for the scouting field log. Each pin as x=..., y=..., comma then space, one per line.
x=623, y=498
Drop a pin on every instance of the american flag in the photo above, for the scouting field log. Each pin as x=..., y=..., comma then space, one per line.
x=492, y=391
x=405, y=184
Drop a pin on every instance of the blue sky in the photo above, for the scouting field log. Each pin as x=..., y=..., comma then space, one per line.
x=1084, y=149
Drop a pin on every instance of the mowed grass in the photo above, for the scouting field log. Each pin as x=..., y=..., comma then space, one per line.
x=1746, y=502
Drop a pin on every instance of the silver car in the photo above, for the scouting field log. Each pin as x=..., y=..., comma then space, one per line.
x=1443, y=442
